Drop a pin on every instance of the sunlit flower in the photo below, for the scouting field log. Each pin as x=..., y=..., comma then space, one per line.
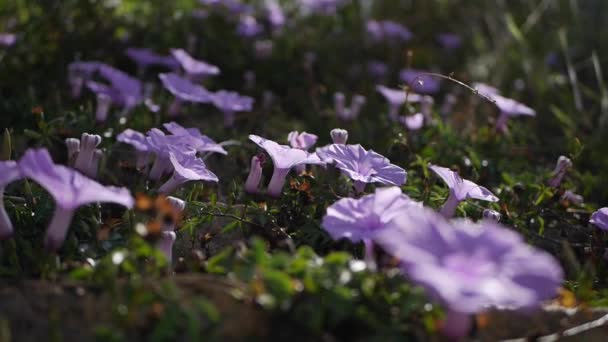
x=186, y=168
x=184, y=91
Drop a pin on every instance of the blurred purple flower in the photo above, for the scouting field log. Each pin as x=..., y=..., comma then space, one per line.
x=195, y=139
x=230, y=102
x=413, y=122
x=186, y=168
x=145, y=58
x=561, y=168
x=70, y=189
x=377, y=69
x=275, y=13
x=449, y=41
x=9, y=172
x=470, y=267
x=162, y=146
x=255, y=174
x=348, y=114
x=325, y=7
x=139, y=143
x=87, y=147
x=106, y=96
x=490, y=214
x=419, y=81
x=509, y=108
x=396, y=98
x=388, y=30
x=79, y=73
x=485, y=89
x=7, y=39
x=167, y=235
x=184, y=91
x=249, y=27
x=284, y=159
x=303, y=141
x=572, y=197
x=130, y=89
x=73, y=147
x=339, y=136
x=194, y=68
x=362, y=166
x=460, y=190
x=600, y=219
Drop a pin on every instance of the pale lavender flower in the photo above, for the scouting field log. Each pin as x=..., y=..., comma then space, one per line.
x=70, y=189
x=194, y=68
x=363, y=166
x=275, y=13
x=470, y=267
x=563, y=165
x=230, y=102
x=186, y=168
x=94, y=166
x=184, y=91
x=324, y=7
x=339, y=136
x=449, y=41
x=600, y=219
x=351, y=113
x=303, y=141
x=572, y=197
x=396, y=98
x=413, y=122
x=130, y=89
x=73, y=147
x=249, y=27
x=87, y=147
x=167, y=235
x=460, y=190
x=138, y=141
x=8, y=39
x=508, y=108
x=9, y=172
x=106, y=96
x=255, y=174
x=284, y=159
x=419, y=81
x=485, y=89
x=162, y=146
x=361, y=219
x=79, y=73
x=195, y=138
x=145, y=58
x=490, y=214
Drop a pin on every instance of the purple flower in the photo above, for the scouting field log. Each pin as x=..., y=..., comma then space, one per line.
x=184, y=91
x=449, y=41
x=388, y=30
x=600, y=219
x=87, y=147
x=7, y=39
x=186, y=168
x=325, y=7
x=396, y=98
x=419, y=81
x=303, y=141
x=377, y=69
x=9, y=172
x=485, y=89
x=363, y=166
x=79, y=73
x=361, y=219
x=106, y=96
x=162, y=146
x=509, y=108
x=139, y=143
x=563, y=165
x=145, y=58
x=572, y=197
x=460, y=190
x=70, y=189
x=470, y=267
x=413, y=122
x=339, y=136
x=195, y=139
x=73, y=147
x=194, y=68
x=348, y=114
x=249, y=26
x=490, y=214
x=284, y=159
x=275, y=13
x=130, y=88
x=167, y=234
x=230, y=102
x=255, y=174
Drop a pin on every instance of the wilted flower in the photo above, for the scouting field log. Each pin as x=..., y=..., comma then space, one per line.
x=84, y=159
x=9, y=172
x=70, y=189
x=184, y=91
x=420, y=81
x=194, y=138
x=230, y=102
x=339, y=136
x=600, y=219
x=509, y=108
x=138, y=141
x=449, y=41
x=194, y=68
x=396, y=98
x=490, y=214
x=460, y=190
x=470, y=267
x=563, y=165
x=363, y=166
x=186, y=167
x=284, y=159
x=145, y=58
x=255, y=174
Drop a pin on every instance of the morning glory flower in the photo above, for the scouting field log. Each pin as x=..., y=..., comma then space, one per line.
x=145, y=58
x=449, y=41
x=162, y=146
x=106, y=96
x=275, y=13
x=9, y=172
x=508, y=108
x=363, y=166
x=361, y=219
x=194, y=68
x=8, y=39
x=184, y=91
x=130, y=89
x=600, y=219
x=470, y=267
x=396, y=98
x=70, y=189
x=195, y=139
x=303, y=141
x=167, y=235
x=79, y=73
x=73, y=147
x=249, y=27
x=339, y=136
x=284, y=159
x=230, y=102
x=563, y=165
x=413, y=122
x=255, y=174
x=88, y=145
x=348, y=114
x=572, y=197
x=138, y=141
x=186, y=168
x=485, y=89
x=460, y=190
x=419, y=81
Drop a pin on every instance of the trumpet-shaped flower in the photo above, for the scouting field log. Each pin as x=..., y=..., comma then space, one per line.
x=194, y=138
x=396, y=98
x=460, y=190
x=88, y=145
x=339, y=136
x=284, y=159
x=509, y=108
x=230, y=102
x=600, y=219
x=348, y=114
x=255, y=174
x=129, y=88
x=186, y=168
x=162, y=146
x=70, y=189
x=9, y=172
x=561, y=168
x=184, y=91
x=363, y=166
x=470, y=267
x=303, y=141
x=193, y=67
x=139, y=143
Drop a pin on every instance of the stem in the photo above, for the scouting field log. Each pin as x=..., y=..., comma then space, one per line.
x=158, y=168
x=449, y=207
x=370, y=258
x=103, y=107
x=58, y=228
x=275, y=187
x=171, y=185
